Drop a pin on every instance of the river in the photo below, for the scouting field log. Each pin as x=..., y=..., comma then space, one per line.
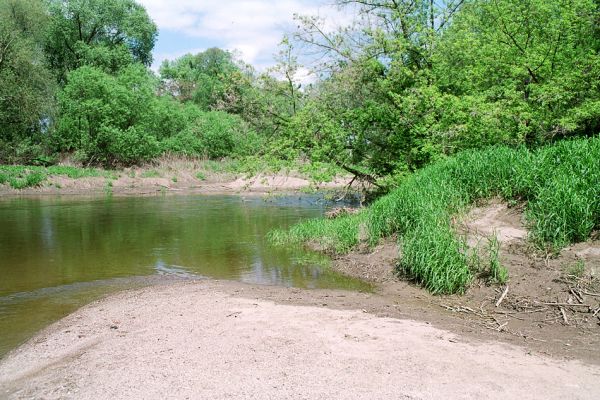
x=57, y=254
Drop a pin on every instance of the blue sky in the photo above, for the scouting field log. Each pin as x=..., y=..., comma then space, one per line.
x=253, y=28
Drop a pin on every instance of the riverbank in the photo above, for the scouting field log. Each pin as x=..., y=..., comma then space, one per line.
x=168, y=175
x=211, y=339
x=550, y=304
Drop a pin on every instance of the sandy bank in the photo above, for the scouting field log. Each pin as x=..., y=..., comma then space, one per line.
x=144, y=181
x=217, y=340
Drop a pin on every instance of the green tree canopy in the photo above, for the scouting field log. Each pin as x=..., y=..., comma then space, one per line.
x=26, y=86
x=106, y=118
x=412, y=81
x=105, y=33
x=207, y=78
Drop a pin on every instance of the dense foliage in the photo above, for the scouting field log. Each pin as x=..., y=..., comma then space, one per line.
x=26, y=85
x=414, y=81
x=407, y=83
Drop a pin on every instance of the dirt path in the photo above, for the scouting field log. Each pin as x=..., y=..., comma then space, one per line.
x=215, y=340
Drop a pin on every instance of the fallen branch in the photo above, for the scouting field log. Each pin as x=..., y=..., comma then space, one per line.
x=515, y=317
x=499, y=329
x=501, y=299
x=522, y=312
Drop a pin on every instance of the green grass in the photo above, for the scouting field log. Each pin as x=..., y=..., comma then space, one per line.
x=339, y=235
x=152, y=173
x=575, y=271
x=20, y=176
x=560, y=185
x=497, y=273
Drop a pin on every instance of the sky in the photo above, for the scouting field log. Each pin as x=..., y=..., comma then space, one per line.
x=253, y=28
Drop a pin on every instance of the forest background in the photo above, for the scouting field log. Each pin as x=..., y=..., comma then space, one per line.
x=406, y=84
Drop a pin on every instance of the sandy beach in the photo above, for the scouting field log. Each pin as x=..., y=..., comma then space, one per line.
x=223, y=340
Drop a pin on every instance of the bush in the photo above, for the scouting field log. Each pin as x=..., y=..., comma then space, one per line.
x=130, y=146
x=109, y=119
x=214, y=135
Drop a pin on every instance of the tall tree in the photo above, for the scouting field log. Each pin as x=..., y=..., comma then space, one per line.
x=537, y=60
x=105, y=33
x=206, y=78
x=26, y=86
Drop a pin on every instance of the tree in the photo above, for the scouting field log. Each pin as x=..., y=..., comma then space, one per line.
x=536, y=60
x=203, y=78
x=26, y=86
x=109, y=34
x=411, y=81
x=108, y=119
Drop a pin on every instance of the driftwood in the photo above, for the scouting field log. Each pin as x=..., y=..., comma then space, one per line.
x=577, y=295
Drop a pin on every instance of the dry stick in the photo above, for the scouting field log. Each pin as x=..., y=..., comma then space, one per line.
x=590, y=294
x=522, y=312
x=564, y=315
x=515, y=317
x=565, y=305
x=577, y=296
x=499, y=329
x=502, y=297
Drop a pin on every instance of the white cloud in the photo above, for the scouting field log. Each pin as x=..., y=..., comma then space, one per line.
x=253, y=27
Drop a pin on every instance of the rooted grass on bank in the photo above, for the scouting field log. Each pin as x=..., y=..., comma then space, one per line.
x=560, y=185
x=24, y=176
x=20, y=176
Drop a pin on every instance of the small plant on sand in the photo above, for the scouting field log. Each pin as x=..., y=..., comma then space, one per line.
x=576, y=270
x=151, y=173
x=497, y=273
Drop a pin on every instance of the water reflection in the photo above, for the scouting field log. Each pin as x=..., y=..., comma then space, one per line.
x=57, y=254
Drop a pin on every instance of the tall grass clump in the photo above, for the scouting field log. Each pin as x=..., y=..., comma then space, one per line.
x=338, y=235
x=560, y=185
x=565, y=207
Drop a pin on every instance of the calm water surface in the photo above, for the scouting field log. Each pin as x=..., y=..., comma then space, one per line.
x=58, y=254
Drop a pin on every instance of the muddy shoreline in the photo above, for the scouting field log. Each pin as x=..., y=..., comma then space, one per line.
x=526, y=318
x=545, y=308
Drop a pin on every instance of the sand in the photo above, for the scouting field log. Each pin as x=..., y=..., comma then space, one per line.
x=203, y=339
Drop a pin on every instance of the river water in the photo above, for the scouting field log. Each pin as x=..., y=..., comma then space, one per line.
x=57, y=254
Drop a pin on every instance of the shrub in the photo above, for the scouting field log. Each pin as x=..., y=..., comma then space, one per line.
x=214, y=135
